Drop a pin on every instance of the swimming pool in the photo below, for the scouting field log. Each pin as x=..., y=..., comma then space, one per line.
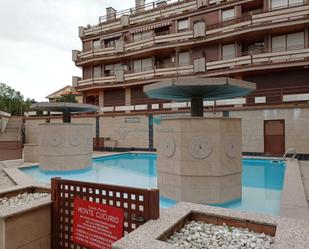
x=262, y=180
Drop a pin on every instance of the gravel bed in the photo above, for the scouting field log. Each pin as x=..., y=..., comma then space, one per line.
x=200, y=235
x=20, y=199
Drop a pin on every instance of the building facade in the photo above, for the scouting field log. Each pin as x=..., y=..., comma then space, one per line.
x=67, y=90
x=261, y=41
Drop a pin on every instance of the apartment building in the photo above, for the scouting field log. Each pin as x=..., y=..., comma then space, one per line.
x=261, y=41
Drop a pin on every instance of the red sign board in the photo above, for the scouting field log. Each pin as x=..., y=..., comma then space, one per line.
x=96, y=225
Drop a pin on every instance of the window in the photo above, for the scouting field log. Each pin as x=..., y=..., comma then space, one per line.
x=109, y=70
x=228, y=51
x=184, y=59
x=295, y=2
x=96, y=71
x=183, y=24
x=142, y=65
x=284, y=3
x=288, y=42
x=295, y=41
x=228, y=14
x=142, y=35
x=96, y=44
x=278, y=43
x=110, y=42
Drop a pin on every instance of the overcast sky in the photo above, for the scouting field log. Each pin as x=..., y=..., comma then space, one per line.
x=37, y=37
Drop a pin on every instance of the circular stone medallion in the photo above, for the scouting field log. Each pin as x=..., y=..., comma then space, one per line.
x=232, y=147
x=75, y=140
x=168, y=146
x=55, y=140
x=200, y=147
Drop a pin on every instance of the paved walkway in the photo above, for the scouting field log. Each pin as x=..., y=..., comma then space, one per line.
x=304, y=170
x=5, y=181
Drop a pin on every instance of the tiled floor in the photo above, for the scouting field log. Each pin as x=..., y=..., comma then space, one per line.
x=304, y=170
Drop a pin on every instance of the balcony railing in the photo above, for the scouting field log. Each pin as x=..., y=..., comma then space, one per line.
x=259, y=98
x=148, y=7
x=248, y=20
x=263, y=57
x=258, y=57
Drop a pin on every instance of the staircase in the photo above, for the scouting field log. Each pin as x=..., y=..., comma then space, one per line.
x=11, y=144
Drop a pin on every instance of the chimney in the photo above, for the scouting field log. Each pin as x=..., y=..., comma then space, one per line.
x=139, y=6
x=110, y=14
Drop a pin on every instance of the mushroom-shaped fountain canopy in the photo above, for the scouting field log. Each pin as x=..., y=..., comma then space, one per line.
x=199, y=89
x=65, y=108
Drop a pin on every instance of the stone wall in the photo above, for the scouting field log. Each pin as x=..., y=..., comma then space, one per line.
x=296, y=132
x=128, y=131
x=132, y=131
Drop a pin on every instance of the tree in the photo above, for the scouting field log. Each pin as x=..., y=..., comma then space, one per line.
x=68, y=98
x=12, y=101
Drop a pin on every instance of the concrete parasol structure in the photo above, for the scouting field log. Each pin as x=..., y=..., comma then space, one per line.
x=199, y=159
x=197, y=90
x=65, y=146
x=65, y=108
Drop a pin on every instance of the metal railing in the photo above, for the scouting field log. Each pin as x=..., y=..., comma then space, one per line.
x=290, y=151
x=141, y=10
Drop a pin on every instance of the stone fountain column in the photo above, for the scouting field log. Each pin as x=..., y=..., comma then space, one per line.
x=199, y=159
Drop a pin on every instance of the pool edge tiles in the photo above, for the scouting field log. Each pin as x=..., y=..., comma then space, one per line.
x=139, y=170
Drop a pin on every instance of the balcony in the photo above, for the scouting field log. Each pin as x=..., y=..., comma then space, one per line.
x=295, y=95
x=97, y=80
x=264, y=58
x=259, y=20
x=149, y=12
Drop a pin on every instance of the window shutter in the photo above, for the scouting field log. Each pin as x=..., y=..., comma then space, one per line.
x=295, y=2
x=184, y=59
x=137, y=64
x=146, y=34
x=183, y=24
x=96, y=44
x=147, y=64
x=278, y=3
x=137, y=36
x=278, y=43
x=228, y=14
x=295, y=40
x=228, y=51
x=97, y=72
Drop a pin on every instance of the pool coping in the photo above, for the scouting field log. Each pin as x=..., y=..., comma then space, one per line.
x=293, y=202
x=287, y=235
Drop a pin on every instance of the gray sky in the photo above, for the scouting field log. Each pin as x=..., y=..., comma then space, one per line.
x=37, y=37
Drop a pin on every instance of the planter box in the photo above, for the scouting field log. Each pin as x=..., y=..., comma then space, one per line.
x=27, y=225
x=287, y=233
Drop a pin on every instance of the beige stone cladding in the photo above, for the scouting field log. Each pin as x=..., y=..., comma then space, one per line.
x=28, y=230
x=32, y=126
x=128, y=131
x=296, y=131
x=65, y=146
x=199, y=159
x=133, y=132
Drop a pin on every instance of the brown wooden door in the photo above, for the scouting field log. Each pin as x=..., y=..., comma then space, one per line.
x=274, y=139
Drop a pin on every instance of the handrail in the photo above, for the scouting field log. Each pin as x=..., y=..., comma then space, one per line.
x=289, y=151
x=140, y=10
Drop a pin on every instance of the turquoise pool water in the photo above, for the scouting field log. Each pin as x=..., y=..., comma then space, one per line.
x=262, y=180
